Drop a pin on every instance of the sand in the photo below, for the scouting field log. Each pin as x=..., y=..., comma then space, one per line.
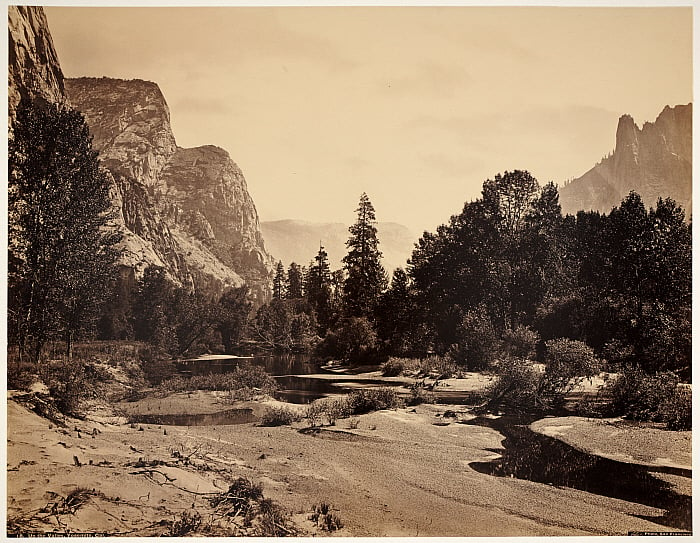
x=398, y=473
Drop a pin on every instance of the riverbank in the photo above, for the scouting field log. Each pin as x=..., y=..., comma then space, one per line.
x=402, y=472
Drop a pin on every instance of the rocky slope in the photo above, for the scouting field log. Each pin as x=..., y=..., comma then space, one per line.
x=33, y=67
x=187, y=210
x=298, y=241
x=655, y=161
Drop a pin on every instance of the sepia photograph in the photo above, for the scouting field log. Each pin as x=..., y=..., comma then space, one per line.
x=349, y=270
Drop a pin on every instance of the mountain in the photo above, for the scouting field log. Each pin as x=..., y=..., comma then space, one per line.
x=33, y=67
x=655, y=161
x=298, y=241
x=187, y=210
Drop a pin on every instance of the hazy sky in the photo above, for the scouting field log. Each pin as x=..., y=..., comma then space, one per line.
x=416, y=106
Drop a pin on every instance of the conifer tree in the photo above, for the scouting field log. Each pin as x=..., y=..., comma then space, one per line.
x=295, y=281
x=279, y=282
x=365, y=276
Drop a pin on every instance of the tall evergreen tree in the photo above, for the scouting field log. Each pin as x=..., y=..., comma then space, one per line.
x=279, y=282
x=295, y=281
x=366, y=278
x=318, y=289
x=61, y=247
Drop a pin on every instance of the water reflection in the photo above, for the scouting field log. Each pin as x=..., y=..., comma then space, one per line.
x=536, y=457
x=275, y=365
x=230, y=416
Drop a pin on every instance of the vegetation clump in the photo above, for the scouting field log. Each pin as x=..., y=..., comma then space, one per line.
x=323, y=517
x=644, y=397
x=245, y=382
x=279, y=416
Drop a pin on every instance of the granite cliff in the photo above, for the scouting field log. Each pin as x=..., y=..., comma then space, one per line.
x=655, y=161
x=189, y=207
x=33, y=67
x=187, y=210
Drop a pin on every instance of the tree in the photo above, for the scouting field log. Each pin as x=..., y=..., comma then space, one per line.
x=366, y=278
x=234, y=308
x=61, y=245
x=295, y=281
x=279, y=282
x=318, y=290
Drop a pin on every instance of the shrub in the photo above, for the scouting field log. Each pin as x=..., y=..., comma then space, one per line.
x=279, y=416
x=640, y=396
x=374, y=399
x=520, y=342
x=676, y=411
x=476, y=340
x=392, y=367
x=245, y=382
x=569, y=362
x=517, y=385
x=156, y=365
x=187, y=522
x=71, y=382
x=20, y=375
x=440, y=367
x=419, y=395
x=330, y=408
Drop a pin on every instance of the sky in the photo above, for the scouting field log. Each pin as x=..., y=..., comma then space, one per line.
x=416, y=106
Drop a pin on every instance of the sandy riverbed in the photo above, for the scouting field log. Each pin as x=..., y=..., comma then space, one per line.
x=396, y=474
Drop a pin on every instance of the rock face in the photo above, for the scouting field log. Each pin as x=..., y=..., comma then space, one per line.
x=33, y=67
x=298, y=241
x=185, y=209
x=655, y=161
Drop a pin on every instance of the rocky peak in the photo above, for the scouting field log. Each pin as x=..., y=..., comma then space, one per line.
x=130, y=124
x=655, y=161
x=33, y=67
x=189, y=207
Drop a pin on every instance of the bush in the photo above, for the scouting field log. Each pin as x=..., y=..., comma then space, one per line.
x=374, y=399
x=156, y=365
x=676, y=411
x=20, y=375
x=640, y=396
x=476, y=341
x=392, y=367
x=569, y=362
x=330, y=408
x=439, y=367
x=72, y=382
x=419, y=395
x=520, y=342
x=354, y=340
x=244, y=383
x=279, y=416
x=517, y=385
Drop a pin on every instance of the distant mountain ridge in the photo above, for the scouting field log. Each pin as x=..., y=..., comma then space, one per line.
x=298, y=241
x=654, y=161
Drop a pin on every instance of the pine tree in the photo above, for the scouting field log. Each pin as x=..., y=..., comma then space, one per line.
x=366, y=278
x=295, y=281
x=279, y=282
x=318, y=289
x=61, y=247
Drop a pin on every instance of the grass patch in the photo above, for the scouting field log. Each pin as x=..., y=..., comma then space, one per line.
x=244, y=383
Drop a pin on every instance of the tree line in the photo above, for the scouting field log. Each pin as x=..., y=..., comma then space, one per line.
x=509, y=267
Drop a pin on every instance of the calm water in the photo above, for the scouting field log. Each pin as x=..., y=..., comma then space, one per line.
x=230, y=416
x=536, y=457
